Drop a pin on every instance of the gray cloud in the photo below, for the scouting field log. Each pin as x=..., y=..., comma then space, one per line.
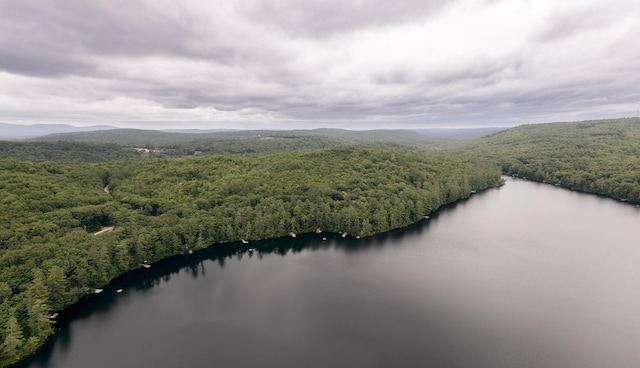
x=66, y=37
x=331, y=17
x=281, y=63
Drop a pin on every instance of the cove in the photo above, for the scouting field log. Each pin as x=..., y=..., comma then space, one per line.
x=525, y=275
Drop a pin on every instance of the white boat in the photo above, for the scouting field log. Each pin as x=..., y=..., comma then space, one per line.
x=119, y=291
x=244, y=241
x=97, y=291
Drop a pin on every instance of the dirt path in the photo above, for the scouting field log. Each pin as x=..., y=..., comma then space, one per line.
x=104, y=230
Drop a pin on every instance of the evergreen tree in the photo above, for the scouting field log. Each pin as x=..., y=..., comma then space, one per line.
x=13, y=339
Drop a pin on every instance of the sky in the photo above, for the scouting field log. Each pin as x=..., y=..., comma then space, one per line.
x=296, y=64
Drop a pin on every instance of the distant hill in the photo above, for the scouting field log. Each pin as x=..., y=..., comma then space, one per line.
x=66, y=152
x=140, y=137
x=460, y=133
x=106, y=143
x=197, y=131
x=131, y=137
x=16, y=131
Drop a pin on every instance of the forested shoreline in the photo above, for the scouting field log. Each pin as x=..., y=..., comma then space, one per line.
x=56, y=197
x=598, y=156
x=50, y=256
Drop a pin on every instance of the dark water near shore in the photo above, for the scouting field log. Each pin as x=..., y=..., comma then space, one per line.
x=527, y=275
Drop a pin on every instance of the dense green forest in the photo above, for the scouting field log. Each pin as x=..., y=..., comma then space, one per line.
x=66, y=152
x=52, y=251
x=80, y=151
x=599, y=156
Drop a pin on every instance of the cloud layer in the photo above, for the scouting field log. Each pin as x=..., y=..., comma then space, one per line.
x=297, y=64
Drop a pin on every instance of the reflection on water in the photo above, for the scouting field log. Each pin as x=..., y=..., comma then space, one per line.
x=527, y=275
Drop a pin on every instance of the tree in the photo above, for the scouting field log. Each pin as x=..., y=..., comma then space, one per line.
x=13, y=339
x=5, y=291
x=39, y=321
x=57, y=285
x=37, y=307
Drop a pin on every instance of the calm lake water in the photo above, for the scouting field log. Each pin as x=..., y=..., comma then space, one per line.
x=527, y=275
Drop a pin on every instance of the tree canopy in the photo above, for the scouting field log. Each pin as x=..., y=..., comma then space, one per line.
x=599, y=156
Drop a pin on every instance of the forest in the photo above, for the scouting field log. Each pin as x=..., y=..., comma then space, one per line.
x=52, y=250
x=78, y=212
x=599, y=156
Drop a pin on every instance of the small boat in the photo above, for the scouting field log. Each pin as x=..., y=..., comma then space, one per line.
x=318, y=231
x=119, y=291
x=145, y=265
x=293, y=235
x=244, y=241
x=344, y=235
x=324, y=238
x=98, y=291
x=53, y=316
x=250, y=250
x=425, y=217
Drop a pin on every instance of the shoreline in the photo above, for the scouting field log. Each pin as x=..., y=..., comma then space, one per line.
x=64, y=316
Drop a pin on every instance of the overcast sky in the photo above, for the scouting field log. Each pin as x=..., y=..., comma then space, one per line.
x=304, y=64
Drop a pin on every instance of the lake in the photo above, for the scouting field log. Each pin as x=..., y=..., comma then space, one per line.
x=526, y=275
